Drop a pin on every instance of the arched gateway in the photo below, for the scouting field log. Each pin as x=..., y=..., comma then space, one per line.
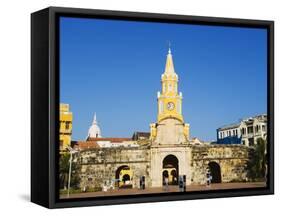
x=170, y=169
x=124, y=176
x=215, y=171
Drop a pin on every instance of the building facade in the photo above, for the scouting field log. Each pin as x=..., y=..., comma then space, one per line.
x=65, y=126
x=166, y=152
x=245, y=132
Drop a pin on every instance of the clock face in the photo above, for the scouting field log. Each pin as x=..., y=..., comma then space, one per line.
x=170, y=106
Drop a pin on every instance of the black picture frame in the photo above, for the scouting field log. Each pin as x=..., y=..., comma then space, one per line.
x=45, y=105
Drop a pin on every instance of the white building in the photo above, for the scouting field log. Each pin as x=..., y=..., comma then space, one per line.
x=245, y=132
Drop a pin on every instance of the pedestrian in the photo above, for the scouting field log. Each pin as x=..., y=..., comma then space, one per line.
x=105, y=187
x=208, y=178
x=166, y=184
x=181, y=184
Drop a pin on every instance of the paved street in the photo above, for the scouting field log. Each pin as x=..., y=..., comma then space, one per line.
x=161, y=190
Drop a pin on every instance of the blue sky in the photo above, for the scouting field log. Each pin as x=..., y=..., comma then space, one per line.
x=114, y=68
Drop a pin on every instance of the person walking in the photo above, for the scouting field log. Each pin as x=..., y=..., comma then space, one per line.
x=166, y=183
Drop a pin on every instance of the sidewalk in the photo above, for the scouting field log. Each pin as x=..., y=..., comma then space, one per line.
x=136, y=191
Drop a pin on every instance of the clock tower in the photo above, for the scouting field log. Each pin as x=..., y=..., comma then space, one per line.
x=170, y=152
x=169, y=100
x=170, y=127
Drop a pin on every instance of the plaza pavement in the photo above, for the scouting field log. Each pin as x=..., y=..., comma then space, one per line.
x=136, y=191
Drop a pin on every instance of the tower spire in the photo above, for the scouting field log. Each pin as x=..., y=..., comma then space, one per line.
x=95, y=119
x=169, y=44
x=169, y=68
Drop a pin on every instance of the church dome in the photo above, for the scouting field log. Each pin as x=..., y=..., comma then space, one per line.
x=94, y=130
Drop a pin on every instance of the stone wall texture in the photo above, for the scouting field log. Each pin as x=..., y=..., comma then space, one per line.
x=98, y=165
x=232, y=160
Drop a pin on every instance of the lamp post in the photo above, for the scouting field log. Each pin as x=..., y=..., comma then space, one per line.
x=71, y=151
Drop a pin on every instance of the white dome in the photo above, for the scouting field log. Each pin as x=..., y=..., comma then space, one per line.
x=94, y=130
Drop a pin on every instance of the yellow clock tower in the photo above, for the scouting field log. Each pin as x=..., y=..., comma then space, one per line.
x=170, y=108
x=169, y=100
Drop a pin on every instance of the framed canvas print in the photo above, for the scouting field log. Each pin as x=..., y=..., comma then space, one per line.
x=139, y=107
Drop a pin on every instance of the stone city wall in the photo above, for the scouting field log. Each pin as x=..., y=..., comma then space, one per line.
x=101, y=164
x=98, y=165
x=232, y=161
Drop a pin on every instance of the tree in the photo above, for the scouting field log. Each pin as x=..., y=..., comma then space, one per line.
x=64, y=171
x=257, y=162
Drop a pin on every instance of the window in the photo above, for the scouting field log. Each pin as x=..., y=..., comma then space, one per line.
x=67, y=125
x=257, y=129
x=263, y=127
x=251, y=141
x=250, y=130
x=169, y=87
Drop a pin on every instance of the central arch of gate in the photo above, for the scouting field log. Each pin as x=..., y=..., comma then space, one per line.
x=170, y=171
x=170, y=162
